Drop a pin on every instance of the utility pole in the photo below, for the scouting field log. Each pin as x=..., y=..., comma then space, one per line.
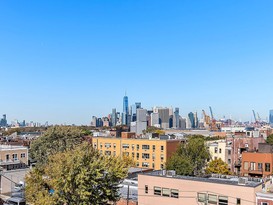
x=128, y=194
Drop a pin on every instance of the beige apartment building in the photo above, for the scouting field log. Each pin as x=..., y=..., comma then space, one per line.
x=162, y=188
x=147, y=153
x=220, y=150
x=13, y=157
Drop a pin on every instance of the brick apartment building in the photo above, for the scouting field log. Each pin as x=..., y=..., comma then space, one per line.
x=258, y=163
x=147, y=153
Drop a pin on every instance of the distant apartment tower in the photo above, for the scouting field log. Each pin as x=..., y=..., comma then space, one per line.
x=271, y=117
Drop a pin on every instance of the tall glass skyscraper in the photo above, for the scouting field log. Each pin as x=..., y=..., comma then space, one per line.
x=125, y=112
x=271, y=117
x=125, y=105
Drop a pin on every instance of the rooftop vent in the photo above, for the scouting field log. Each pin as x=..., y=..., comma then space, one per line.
x=242, y=181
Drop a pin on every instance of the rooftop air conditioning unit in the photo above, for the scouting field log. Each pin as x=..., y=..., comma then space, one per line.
x=170, y=173
x=242, y=181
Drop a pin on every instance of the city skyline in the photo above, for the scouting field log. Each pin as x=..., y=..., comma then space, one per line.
x=73, y=61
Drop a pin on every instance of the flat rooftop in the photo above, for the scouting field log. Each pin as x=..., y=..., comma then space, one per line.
x=11, y=147
x=228, y=180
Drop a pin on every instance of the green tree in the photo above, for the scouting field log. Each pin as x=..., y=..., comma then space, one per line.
x=79, y=176
x=55, y=139
x=269, y=139
x=191, y=157
x=217, y=166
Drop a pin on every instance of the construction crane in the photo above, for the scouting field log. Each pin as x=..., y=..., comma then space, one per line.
x=206, y=118
x=254, y=115
x=211, y=114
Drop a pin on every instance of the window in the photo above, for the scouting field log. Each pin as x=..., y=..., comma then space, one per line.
x=114, y=153
x=174, y=193
x=153, y=165
x=125, y=146
x=137, y=155
x=229, y=152
x=161, y=166
x=108, y=153
x=162, y=157
x=114, y=145
x=95, y=145
x=153, y=147
x=260, y=166
x=157, y=190
x=145, y=164
x=100, y=145
x=212, y=199
x=245, y=165
x=145, y=146
x=223, y=200
x=153, y=157
x=137, y=146
x=201, y=197
x=267, y=167
x=137, y=164
x=252, y=165
x=145, y=156
x=215, y=149
x=166, y=192
x=7, y=157
x=133, y=146
x=146, y=189
x=23, y=155
x=133, y=155
x=162, y=148
x=107, y=145
x=220, y=150
x=229, y=161
x=14, y=157
x=238, y=201
x=264, y=203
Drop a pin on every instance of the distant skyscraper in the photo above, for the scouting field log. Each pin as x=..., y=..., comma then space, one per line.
x=114, y=117
x=3, y=121
x=191, y=118
x=176, y=118
x=164, y=117
x=125, y=105
x=125, y=112
x=271, y=117
x=195, y=120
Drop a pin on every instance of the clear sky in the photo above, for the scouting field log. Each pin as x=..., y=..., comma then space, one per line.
x=64, y=61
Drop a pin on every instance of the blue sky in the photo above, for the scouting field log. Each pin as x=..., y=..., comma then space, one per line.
x=64, y=61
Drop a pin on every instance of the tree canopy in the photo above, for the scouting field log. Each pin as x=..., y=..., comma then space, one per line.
x=79, y=176
x=190, y=158
x=269, y=139
x=55, y=139
x=217, y=166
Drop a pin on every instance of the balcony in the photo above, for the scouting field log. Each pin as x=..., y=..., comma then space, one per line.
x=255, y=171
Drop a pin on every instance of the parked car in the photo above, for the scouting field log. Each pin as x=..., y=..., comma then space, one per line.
x=15, y=201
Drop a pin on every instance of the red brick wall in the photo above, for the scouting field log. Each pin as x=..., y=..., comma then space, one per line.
x=259, y=201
